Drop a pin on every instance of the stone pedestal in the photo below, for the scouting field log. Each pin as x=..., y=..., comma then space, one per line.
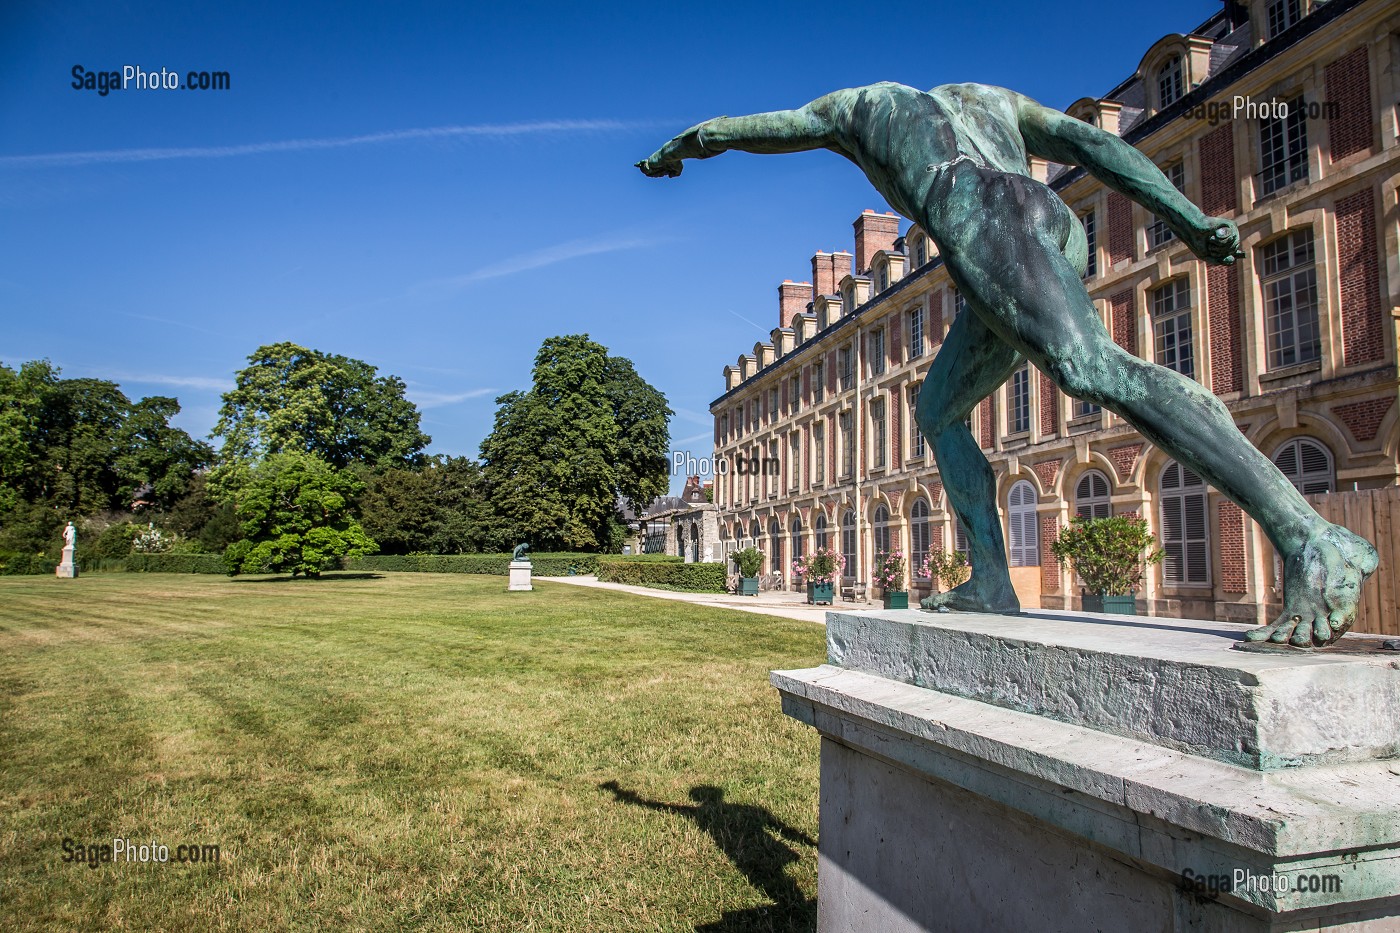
x=66, y=568
x=1066, y=771
x=520, y=576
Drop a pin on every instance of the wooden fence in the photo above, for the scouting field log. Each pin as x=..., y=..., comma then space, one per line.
x=1375, y=515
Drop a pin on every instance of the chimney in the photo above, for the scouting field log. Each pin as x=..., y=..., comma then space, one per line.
x=874, y=232
x=828, y=269
x=793, y=298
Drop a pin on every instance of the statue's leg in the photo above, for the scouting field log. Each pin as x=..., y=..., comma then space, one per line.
x=972, y=362
x=1037, y=302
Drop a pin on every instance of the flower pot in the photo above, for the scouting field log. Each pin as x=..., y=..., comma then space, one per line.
x=1118, y=605
x=748, y=586
x=896, y=599
x=820, y=593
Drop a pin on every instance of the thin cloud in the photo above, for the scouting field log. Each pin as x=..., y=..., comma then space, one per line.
x=477, y=131
x=694, y=439
x=439, y=399
x=538, y=259
x=184, y=382
x=693, y=416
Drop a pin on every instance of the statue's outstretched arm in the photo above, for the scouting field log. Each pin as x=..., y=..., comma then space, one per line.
x=1059, y=137
x=779, y=131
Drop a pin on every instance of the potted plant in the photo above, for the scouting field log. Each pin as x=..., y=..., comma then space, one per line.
x=1109, y=555
x=947, y=568
x=749, y=560
x=820, y=569
x=889, y=574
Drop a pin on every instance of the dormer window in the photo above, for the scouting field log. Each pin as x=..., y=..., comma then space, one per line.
x=1282, y=14
x=882, y=278
x=920, y=253
x=1170, y=86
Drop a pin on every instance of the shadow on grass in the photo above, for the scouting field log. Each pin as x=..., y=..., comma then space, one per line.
x=323, y=578
x=742, y=833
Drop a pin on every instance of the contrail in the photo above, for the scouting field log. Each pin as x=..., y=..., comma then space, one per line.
x=480, y=131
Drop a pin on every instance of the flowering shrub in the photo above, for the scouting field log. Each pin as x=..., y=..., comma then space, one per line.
x=823, y=565
x=151, y=541
x=1108, y=553
x=749, y=560
x=889, y=571
x=949, y=568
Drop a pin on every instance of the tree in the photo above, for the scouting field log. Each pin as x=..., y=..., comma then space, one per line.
x=589, y=433
x=153, y=459
x=440, y=509
x=294, y=399
x=295, y=514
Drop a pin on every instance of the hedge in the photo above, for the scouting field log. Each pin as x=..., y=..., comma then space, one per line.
x=669, y=575
x=12, y=564
x=544, y=565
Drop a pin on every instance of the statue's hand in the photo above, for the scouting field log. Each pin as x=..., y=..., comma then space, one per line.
x=1215, y=239
x=657, y=167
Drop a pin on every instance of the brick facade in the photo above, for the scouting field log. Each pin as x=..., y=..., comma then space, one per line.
x=1120, y=228
x=874, y=232
x=1363, y=419
x=1230, y=520
x=1223, y=314
x=1220, y=185
x=1049, y=406
x=1363, y=339
x=1124, y=321
x=1348, y=87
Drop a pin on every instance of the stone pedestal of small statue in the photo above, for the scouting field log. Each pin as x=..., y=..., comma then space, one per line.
x=520, y=570
x=67, y=570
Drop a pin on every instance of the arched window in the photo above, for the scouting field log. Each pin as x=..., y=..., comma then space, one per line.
x=819, y=528
x=1308, y=465
x=1185, y=535
x=1169, y=83
x=775, y=546
x=848, y=542
x=695, y=544
x=795, y=546
x=755, y=534
x=1091, y=496
x=881, y=527
x=1025, y=531
x=919, y=540
x=959, y=535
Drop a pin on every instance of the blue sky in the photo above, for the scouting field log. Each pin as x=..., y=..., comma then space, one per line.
x=437, y=187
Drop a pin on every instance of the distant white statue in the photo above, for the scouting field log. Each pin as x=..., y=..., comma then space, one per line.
x=66, y=568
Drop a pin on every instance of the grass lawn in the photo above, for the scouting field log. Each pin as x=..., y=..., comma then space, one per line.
x=406, y=750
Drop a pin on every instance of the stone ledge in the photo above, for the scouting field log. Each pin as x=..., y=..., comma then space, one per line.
x=1162, y=808
x=1169, y=682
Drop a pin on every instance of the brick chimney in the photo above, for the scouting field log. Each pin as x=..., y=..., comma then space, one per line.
x=874, y=232
x=793, y=298
x=828, y=269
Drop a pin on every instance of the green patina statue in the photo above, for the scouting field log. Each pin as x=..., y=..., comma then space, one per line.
x=519, y=553
x=954, y=161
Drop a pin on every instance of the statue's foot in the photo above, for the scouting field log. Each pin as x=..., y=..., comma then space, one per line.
x=975, y=595
x=1321, y=589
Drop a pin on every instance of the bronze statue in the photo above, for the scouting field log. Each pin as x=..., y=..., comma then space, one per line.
x=519, y=553
x=954, y=161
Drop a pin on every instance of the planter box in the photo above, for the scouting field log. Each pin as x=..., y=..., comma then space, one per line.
x=820, y=594
x=896, y=599
x=1119, y=605
x=748, y=586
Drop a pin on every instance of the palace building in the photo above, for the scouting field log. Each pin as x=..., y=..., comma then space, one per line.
x=1298, y=338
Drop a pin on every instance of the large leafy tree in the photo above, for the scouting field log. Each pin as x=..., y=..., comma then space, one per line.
x=440, y=509
x=73, y=447
x=589, y=432
x=291, y=398
x=295, y=515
